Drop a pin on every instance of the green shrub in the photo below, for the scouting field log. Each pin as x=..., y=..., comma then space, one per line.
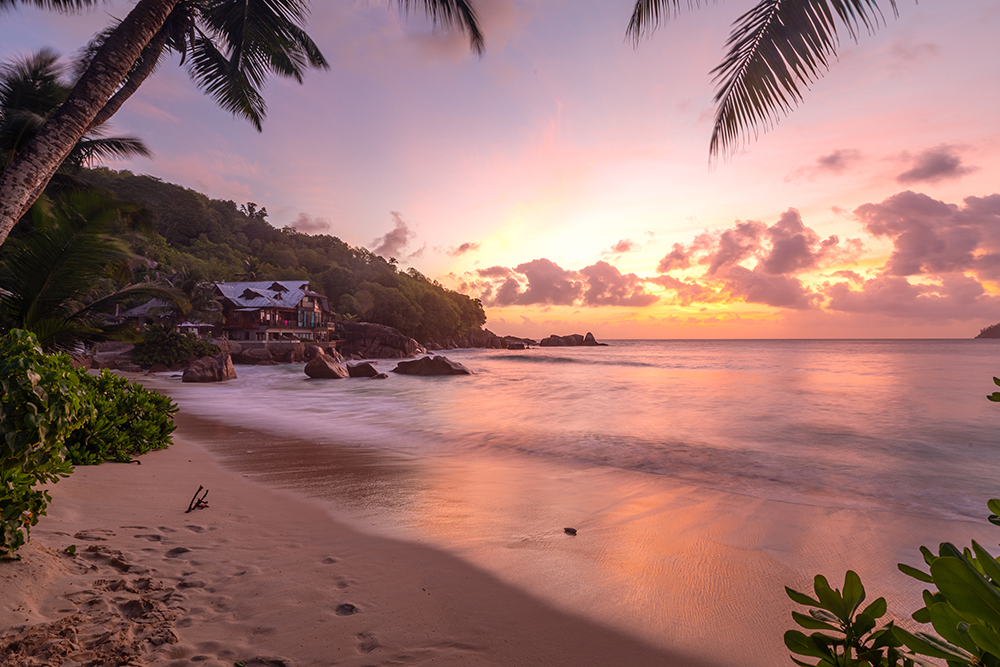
x=162, y=346
x=128, y=420
x=42, y=403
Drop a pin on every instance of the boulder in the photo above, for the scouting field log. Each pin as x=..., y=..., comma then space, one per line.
x=374, y=341
x=158, y=368
x=380, y=376
x=572, y=340
x=256, y=355
x=210, y=369
x=325, y=367
x=436, y=365
x=362, y=370
x=311, y=351
x=515, y=346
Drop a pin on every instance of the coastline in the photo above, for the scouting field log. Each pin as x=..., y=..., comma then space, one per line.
x=265, y=577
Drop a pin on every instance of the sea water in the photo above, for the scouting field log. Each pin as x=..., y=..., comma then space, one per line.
x=902, y=425
x=702, y=476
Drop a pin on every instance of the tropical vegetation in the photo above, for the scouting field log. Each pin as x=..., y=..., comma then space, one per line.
x=54, y=416
x=204, y=240
x=230, y=48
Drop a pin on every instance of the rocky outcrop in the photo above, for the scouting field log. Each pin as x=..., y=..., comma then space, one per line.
x=326, y=367
x=572, y=340
x=210, y=369
x=992, y=331
x=364, y=340
x=436, y=365
x=362, y=370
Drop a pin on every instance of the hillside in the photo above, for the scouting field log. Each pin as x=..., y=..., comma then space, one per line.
x=218, y=240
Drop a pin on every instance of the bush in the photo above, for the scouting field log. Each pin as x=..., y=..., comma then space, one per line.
x=128, y=420
x=162, y=346
x=42, y=402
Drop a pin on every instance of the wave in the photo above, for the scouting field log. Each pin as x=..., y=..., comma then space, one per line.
x=569, y=360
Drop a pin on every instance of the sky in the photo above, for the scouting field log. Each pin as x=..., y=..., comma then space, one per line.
x=564, y=176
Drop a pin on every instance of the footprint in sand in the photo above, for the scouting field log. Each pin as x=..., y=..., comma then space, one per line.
x=152, y=537
x=329, y=560
x=177, y=552
x=367, y=642
x=94, y=535
x=346, y=609
x=196, y=529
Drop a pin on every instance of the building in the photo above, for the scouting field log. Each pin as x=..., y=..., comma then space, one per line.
x=273, y=310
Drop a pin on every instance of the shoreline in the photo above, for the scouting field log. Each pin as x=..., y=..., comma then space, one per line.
x=266, y=577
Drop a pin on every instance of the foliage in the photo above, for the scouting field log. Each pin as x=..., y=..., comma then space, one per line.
x=218, y=240
x=61, y=276
x=995, y=396
x=992, y=331
x=775, y=49
x=42, y=402
x=160, y=345
x=128, y=420
x=964, y=611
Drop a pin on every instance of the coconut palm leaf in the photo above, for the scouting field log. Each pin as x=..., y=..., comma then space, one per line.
x=454, y=14
x=64, y=6
x=775, y=50
x=649, y=14
x=88, y=151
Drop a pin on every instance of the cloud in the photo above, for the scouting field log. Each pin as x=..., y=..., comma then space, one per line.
x=954, y=297
x=607, y=286
x=307, y=224
x=622, y=247
x=780, y=291
x=495, y=272
x=932, y=237
x=933, y=165
x=462, y=249
x=676, y=259
x=834, y=163
x=687, y=293
x=394, y=243
x=547, y=283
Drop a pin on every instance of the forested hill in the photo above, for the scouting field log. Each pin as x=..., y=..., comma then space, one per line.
x=218, y=240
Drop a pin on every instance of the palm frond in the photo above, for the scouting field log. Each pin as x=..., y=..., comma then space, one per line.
x=32, y=83
x=233, y=90
x=64, y=6
x=88, y=151
x=452, y=14
x=775, y=49
x=649, y=14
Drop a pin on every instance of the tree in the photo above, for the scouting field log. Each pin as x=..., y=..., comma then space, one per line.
x=230, y=47
x=57, y=282
x=774, y=49
x=31, y=89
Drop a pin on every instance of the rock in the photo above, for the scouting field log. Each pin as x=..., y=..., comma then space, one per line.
x=158, y=368
x=436, y=365
x=380, y=376
x=256, y=355
x=362, y=370
x=516, y=346
x=311, y=351
x=374, y=341
x=210, y=369
x=569, y=531
x=573, y=340
x=325, y=367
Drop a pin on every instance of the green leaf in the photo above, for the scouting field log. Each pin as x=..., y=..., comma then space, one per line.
x=966, y=589
x=830, y=599
x=799, y=643
x=994, y=505
x=911, y=571
x=987, y=562
x=801, y=598
x=929, y=645
x=811, y=623
x=986, y=638
x=854, y=591
x=946, y=621
x=922, y=615
x=863, y=624
x=876, y=609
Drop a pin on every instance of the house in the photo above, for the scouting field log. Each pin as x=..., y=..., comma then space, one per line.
x=273, y=310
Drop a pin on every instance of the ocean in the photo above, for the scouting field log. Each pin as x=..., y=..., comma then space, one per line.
x=702, y=476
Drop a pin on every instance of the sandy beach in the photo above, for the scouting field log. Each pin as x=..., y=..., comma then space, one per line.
x=264, y=577
x=668, y=575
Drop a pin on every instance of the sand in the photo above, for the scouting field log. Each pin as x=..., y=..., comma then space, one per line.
x=666, y=574
x=264, y=577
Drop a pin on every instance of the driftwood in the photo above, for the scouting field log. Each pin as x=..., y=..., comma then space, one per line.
x=196, y=502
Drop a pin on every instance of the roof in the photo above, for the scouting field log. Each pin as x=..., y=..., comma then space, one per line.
x=266, y=293
x=143, y=310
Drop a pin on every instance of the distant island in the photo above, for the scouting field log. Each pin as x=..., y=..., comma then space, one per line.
x=992, y=331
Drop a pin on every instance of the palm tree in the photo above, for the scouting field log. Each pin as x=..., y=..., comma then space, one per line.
x=230, y=47
x=31, y=89
x=59, y=280
x=776, y=47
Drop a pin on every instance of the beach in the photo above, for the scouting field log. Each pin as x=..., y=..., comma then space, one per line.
x=382, y=523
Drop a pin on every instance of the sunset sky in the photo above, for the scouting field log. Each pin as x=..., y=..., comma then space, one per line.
x=564, y=177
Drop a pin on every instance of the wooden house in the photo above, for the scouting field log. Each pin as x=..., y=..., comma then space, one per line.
x=273, y=310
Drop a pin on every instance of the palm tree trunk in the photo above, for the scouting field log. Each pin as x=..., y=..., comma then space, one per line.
x=150, y=58
x=23, y=181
